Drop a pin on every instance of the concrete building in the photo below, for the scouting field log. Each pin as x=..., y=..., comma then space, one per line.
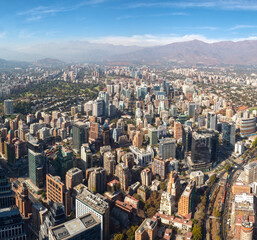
x=36, y=160
x=142, y=157
x=159, y=167
x=247, y=126
x=152, y=134
x=239, y=148
x=167, y=148
x=138, y=139
x=57, y=193
x=63, y=161
x=228, y=134
x=146, y=177
x=177, y=130
x=250, y=171
x=12, y=225
x=240, y=187
x=22, y=200
x=174, y=186
x=87, y=226
x=87, y=202
x=123, y=174
x=147, y=230
x=8, y=107
x=167, y=205
x=80, y=134
x=96, y=179
x=73, y=177
x=109, y=163
x=186, y=201
x=86, y=157
x=212, y=121
x=198, y=177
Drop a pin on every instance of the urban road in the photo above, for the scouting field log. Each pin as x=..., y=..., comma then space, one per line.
x=225, y=206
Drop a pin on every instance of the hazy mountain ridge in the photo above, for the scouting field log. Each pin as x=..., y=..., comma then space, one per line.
x=190, y=53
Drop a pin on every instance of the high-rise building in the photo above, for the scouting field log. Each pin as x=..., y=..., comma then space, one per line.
x=8, y=107
x=174, y=186
x=39, y=213
x=250, y=171
x=9, y=152
x=187, y=138
x=105, y=97
x=94, y=132
x=96, y=179
x=177, y=130
x=57, y=193
x=186, y=201
x=167, y=148
x=167, y=205
x=63, y=161
x=80, y=134
x=142, y=157
x=87, y=226
x=153, y=137
x=128, y=159
x=22, y=199
x=228, y=135
x=247, y=126
x=87, y=202
x=198, y=177
x=141, y=92
x=55, y=216
x=86, y=157
x=159, y=167
x=98, y=108
x=146, y=177
x=73, y=177
x=106, y=134
x=109, y=163
x=6, y=194
x=12, y=225
x=138, y=139
x=247, y=229
x=147, y=230
x=123, y=174
x=212, y=121
x=203, y=151
x=36, y=161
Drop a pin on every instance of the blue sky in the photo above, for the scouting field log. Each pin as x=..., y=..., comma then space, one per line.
x=134, y=22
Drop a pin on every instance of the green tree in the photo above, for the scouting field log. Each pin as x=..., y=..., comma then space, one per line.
x=217, y=213
x=254, y=144
x=227, y=167
x=197, y=232
x=212, y=180
x=118, y=236
x=131, y=232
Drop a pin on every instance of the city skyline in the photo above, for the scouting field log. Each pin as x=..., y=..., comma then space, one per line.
x=141, y=23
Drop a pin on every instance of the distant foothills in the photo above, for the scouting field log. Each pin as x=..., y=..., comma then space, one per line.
x=180, y=53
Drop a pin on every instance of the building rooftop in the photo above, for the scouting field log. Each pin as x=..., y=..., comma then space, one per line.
x=74, y=227
x=147, y=224
x=188, y=189
x=96, y=201
x=73, y=171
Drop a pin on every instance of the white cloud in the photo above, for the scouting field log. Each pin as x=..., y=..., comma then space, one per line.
x=3, y=34
x=242, y=27
x=149, y=40
x=220, y=4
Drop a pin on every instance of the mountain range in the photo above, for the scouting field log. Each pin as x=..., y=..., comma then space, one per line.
x=185, y=53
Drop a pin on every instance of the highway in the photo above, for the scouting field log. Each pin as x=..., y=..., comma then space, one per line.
x=209, y=195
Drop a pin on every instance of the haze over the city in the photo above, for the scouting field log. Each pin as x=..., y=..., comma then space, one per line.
x=32, y=30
